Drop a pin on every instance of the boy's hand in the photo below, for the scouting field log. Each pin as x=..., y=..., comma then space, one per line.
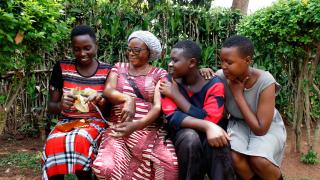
x=168, y=89
x=207, y=73
x=216, y=136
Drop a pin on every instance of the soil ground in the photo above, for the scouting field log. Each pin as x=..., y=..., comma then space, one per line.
x=292, y=168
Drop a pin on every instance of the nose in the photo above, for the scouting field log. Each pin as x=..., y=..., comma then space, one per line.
x=82, y=53
x=224, y=65
x=170, y=63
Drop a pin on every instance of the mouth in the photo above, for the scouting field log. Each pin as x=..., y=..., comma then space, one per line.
x=84, y=59
x=170, y=70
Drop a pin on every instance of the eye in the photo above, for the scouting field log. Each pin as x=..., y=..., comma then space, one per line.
x=136, y=50
x=173, y=60
x=87, y=48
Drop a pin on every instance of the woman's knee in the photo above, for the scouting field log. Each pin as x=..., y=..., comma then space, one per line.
x=259, y=164
x=238, y=158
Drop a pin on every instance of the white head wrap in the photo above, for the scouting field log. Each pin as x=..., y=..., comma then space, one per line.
x=151, y=41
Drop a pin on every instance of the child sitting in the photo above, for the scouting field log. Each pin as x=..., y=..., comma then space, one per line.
x=193, y=106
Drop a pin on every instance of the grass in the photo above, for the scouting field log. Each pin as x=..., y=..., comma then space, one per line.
x=31, y=160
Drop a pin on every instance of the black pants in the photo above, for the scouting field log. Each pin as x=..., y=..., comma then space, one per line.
x=197, y=158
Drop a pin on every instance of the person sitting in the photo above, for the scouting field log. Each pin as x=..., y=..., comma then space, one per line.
x=135, y=146
x=72, y=145
x=255, y=126
x=194, y=107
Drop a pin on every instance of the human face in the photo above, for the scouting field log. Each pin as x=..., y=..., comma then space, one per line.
x=179, y=65
x=84, y=48
x=137, y=52
x=234, y=66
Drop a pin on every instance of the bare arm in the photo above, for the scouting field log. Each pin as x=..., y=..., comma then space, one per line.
x=154, y=112
x=260, y=122
x=216, y=136
x=126, y=128
x=54, y=105
x=114, y=96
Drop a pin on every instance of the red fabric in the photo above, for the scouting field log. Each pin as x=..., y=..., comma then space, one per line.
x=145, y=153
x=211, y=106
x=68, y=152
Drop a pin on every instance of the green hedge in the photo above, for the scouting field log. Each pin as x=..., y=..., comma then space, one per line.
x=114, y=22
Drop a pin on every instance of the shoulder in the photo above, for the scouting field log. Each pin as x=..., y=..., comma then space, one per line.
x=159, y=72
x=120, y=67
x=215, y=85
x=104, y=65
x=67, y=62
x=266, y=79
x=220, y=74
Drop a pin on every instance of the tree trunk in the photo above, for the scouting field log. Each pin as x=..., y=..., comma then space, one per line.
x=308, y=80
x=317, y=128
x=307, y=112
x=241, y=5
x=6, y=109
x=299, y=107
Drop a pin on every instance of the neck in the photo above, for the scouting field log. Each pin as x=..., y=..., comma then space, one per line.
x=142, y=67
x=87, y=66
x=192, y=78
x=139, y=70
x=246, y=75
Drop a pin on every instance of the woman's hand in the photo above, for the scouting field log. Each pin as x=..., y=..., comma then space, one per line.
x=124, y=129
x=96, y=99
x=207, y=73
x=128, y=110
x=67, y=101
x=216, y=136
x=168, y=89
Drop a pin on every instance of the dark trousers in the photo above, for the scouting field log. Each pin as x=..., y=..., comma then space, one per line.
x=197, y=158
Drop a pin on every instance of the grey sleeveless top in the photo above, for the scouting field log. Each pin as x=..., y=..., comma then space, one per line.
x=251, y=95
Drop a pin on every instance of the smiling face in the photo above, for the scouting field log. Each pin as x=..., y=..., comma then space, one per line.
x=84, y=48
x=233, y=64
x=179, y=64
x=137, y=52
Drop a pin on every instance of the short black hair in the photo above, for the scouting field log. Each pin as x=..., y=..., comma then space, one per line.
x=190, y=49
x=243, y=43
x=83, y=30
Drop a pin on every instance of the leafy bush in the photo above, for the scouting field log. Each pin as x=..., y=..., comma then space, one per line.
x=286, y=36
x=310, y=158
x=115, y=21
x=28, y=29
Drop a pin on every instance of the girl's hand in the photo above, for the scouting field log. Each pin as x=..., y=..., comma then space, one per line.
x=128, y=110
x=237, y=86
x=67, y=101
x=168, y=89
x=216, y=136
x=124, y=129
x=207, y=73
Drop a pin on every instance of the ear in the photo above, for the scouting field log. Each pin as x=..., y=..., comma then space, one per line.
x=248, y=59
x=193, y=63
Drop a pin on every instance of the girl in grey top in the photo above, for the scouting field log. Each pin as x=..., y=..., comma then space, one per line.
x=255, y=126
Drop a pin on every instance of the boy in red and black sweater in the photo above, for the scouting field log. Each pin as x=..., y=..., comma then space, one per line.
x=194, y=107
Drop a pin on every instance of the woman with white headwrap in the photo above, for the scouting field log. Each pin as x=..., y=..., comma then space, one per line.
x=135, y=146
